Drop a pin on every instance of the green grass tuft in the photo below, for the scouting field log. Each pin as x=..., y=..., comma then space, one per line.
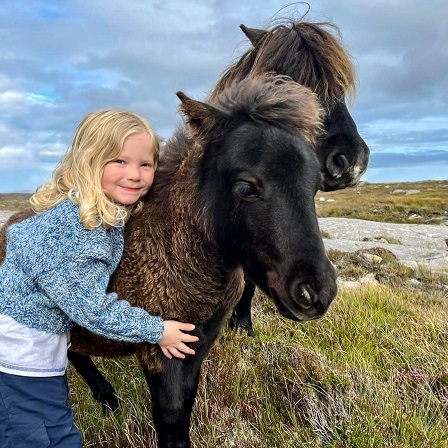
x=372, y=373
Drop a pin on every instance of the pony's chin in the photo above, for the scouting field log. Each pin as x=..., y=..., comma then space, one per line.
x=297, y=315
x=333, y=186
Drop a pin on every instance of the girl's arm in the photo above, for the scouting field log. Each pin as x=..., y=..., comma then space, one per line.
x=79, y=290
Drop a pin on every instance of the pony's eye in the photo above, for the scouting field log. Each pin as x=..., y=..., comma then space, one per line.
x=246, y=191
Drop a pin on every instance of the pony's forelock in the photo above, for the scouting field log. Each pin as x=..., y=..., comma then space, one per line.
x=275, y=99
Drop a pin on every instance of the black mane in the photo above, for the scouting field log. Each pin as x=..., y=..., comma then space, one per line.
x=310, y=53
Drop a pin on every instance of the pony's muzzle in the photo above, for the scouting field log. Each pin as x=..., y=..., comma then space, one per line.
x=299, y=299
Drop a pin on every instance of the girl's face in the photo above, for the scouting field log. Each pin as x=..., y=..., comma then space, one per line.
x=126, y=179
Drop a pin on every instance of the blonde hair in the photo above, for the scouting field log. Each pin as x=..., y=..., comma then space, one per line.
x=98, y=140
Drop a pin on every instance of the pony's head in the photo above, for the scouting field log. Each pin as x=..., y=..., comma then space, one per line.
x=258, y=176
x=313, y=57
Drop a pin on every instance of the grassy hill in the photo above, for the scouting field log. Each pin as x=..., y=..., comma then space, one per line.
x=372, y=374
x=376, y=202
x=14, y=201
x=411, y=203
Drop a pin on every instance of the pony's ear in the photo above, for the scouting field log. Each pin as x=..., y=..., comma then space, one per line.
x=201, y=118
x=254, y=35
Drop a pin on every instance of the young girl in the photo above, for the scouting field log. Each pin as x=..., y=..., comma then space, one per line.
x=56, y=271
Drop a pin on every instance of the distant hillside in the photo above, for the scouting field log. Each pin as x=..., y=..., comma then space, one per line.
x=404, y=202
x=14, y=201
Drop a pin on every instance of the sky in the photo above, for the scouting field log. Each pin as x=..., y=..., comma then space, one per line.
x=60, y=60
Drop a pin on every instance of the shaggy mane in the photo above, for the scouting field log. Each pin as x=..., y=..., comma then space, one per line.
x=275, y=100
x=307, y=52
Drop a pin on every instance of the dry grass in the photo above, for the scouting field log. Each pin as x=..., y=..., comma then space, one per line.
x=371, y=374
x=14, y=201
x=376, y=202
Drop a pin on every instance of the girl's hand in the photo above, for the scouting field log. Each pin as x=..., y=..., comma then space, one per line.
x=173, y=339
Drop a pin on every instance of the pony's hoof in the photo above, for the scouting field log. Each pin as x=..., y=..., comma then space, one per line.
x=109, y=401
x=249, y=330
x=243, y=324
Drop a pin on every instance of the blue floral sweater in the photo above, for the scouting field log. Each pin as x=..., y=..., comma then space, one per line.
x=56, y=273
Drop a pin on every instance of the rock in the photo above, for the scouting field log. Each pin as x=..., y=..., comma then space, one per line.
x=420, y=245
x=414, y=282
x=406, y=192
x=4, y=215
x=348, y=284
x=375, y=259
x=369, y=279
x=410, y=264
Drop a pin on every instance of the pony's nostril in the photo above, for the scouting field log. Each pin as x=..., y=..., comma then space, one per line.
x=340, y=160
x=304, y=295
x=337, y=165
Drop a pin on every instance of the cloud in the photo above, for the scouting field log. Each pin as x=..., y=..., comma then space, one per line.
x=61, y=60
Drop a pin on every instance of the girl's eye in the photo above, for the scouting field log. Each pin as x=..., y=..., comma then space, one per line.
x=119, y=161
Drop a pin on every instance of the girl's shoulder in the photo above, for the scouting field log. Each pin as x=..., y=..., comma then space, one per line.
x=63, y=215
x=45, y=239
x=85, y=242
x=58, y=234
x=97, y=243
x=61, y=220
x=66, y=212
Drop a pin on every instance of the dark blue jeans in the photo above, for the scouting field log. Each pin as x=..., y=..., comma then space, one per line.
x=34, y=413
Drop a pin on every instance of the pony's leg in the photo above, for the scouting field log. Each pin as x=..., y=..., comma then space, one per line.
x=173, y=390
x=102, y=390
x=241, y=314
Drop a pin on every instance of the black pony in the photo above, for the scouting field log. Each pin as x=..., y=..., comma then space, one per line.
x=312, y=56
x=236, y=193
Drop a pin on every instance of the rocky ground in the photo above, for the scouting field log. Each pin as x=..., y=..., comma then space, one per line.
x=413, y=244
x=4, y=216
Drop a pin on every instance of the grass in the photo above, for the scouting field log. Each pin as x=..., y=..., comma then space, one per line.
x=381, y=202
x=372, y=374
x=14, y=201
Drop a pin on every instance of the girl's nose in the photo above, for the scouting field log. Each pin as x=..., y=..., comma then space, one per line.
x=133, y=173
